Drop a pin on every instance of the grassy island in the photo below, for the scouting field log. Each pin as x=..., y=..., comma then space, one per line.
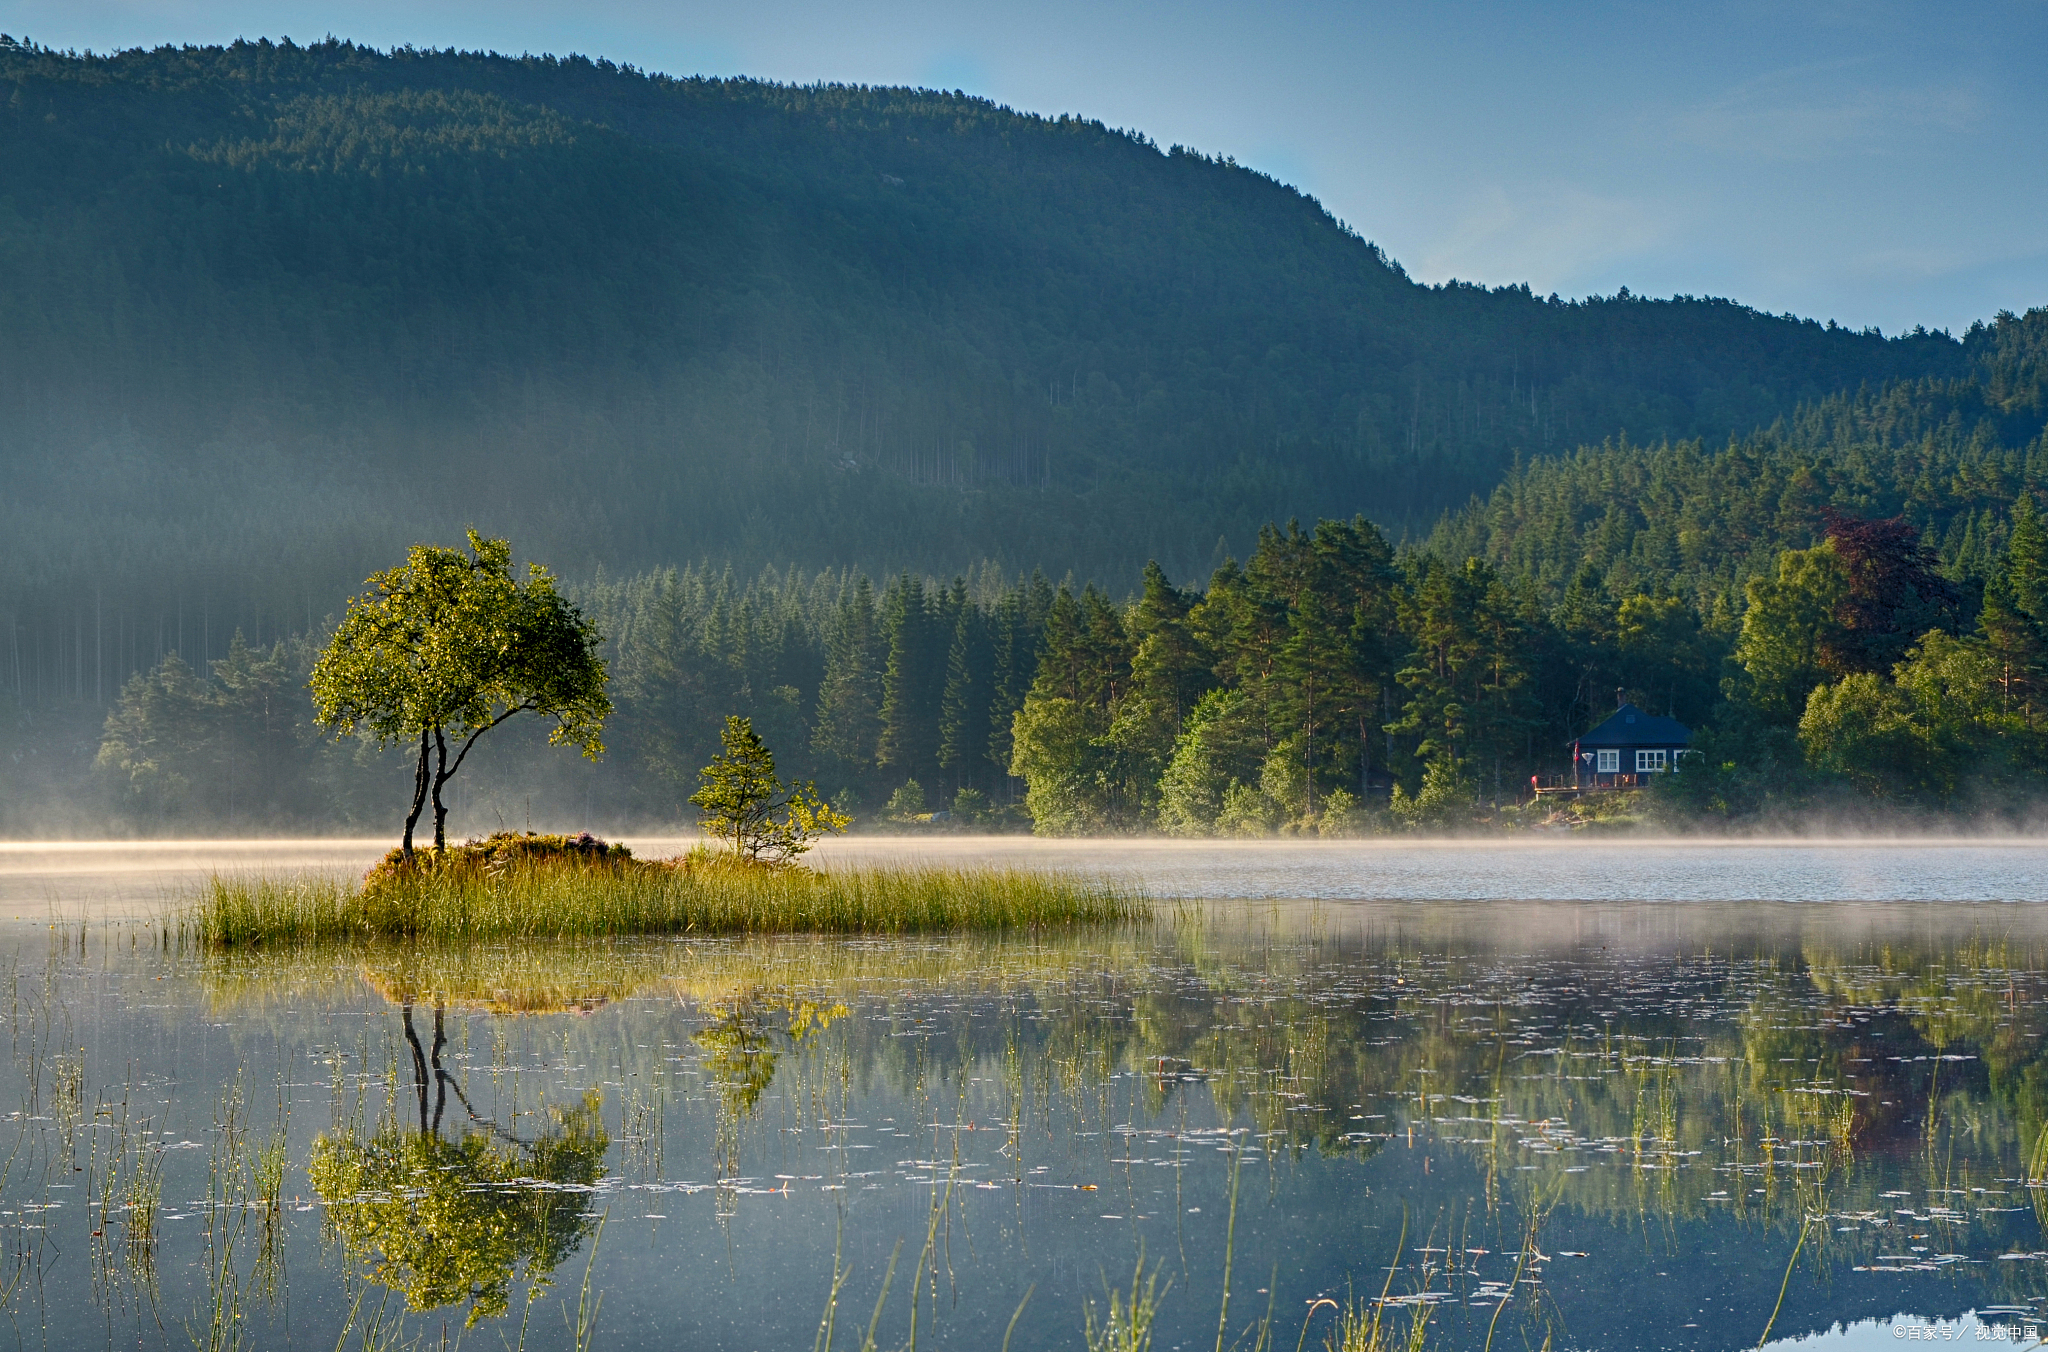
x=539, y=887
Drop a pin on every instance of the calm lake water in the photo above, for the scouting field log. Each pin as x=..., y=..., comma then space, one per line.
x=1517, y=1091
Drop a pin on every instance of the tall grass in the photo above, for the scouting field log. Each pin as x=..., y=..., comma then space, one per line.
x=552, y=902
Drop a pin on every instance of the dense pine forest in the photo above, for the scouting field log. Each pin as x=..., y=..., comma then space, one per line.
x=1851, y=608
x=990, y=426
x=1699, y=518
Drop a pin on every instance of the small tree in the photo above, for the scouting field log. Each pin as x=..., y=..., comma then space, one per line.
x=449, y=646
x=1446, y=798
x=907, y=802
x=744, y=801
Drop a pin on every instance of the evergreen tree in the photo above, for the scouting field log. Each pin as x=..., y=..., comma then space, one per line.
x=2014, y=620
x=964, y=705
x=912, y=680
x=260, y=710
x=159, y=741
x=1357, y=575
x=1665, y=657
x=1061, y=670
x=1585, y=622
x=1170, y=666
x=1320, y=679
x=1015, y=663
x=848, y=722
x=743, y=801
x=1440, y=616
x=672, y=690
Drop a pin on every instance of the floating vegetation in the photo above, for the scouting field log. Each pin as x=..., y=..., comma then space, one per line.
x=525, y=900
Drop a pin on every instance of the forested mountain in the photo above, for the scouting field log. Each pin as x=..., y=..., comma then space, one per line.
x=269, y=313
x=1699, y=519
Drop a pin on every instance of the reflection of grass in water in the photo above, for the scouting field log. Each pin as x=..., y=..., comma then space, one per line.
x=124, y=1178
x=578, y=976
x=544, y=902
x=143, y=1194
x=225, y=1324
x=513, y=978
x=1361, y=1328
x=583, y=1331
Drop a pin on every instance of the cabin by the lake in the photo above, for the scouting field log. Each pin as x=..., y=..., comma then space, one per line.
x=1628, y=749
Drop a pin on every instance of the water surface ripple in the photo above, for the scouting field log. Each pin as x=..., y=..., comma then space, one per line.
x=1612, y=1124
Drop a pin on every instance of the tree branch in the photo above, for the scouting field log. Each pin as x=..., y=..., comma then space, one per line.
x=525, y=707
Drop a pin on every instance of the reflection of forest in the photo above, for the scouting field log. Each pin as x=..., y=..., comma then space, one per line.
x=1869, y=1050
x=1768, y=1085
x=1783, y=1086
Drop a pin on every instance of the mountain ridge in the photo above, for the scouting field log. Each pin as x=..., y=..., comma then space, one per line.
x=305, y=304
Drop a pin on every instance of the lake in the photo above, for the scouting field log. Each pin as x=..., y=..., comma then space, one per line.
x=1594, y=1095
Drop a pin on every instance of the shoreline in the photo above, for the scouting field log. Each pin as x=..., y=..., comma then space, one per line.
x=129, y=880
x=661, y=846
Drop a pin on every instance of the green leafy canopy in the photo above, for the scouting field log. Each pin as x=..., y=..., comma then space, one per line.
x=451, y=641
x=449, y=645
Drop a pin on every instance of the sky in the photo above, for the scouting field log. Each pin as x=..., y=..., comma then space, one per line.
x=1874, y=163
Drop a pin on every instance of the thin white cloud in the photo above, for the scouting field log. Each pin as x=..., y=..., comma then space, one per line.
x=1802, y=114
x=1548, y=235
x=1930, y=263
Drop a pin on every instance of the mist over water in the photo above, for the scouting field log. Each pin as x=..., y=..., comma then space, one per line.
x=132, y=878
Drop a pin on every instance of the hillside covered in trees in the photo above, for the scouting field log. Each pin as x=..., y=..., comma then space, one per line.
x=269, y=313
x=1851, y=609
x=1699, y=518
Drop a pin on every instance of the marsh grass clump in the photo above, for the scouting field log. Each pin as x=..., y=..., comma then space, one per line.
x=1128, y=1326
x=526, y=898
x=505, y=850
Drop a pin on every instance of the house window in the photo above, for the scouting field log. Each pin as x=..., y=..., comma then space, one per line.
x=1650, y=762
x=1609, y=763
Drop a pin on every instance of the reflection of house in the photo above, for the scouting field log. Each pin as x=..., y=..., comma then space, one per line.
x=1627, y=749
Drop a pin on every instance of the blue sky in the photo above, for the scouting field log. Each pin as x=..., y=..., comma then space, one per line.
x=1874, y=163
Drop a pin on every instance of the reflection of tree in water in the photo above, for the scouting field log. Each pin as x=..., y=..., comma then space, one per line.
x=448, y=1219
x=744, y=1042
x=742, y=1057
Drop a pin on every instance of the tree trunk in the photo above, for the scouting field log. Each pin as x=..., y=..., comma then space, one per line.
x=434, y=1060
x=442, y=774
x=419, y=797
x=419, y=1064
x=1364, y=759
x=1309, y=727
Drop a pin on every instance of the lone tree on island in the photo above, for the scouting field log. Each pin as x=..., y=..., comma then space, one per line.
x=447, y=647
x=742, y=795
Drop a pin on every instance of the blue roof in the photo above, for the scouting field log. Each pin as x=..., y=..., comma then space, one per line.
x=1630, y=726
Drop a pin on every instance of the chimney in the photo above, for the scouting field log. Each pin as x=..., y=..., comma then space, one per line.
x=1619, y=690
